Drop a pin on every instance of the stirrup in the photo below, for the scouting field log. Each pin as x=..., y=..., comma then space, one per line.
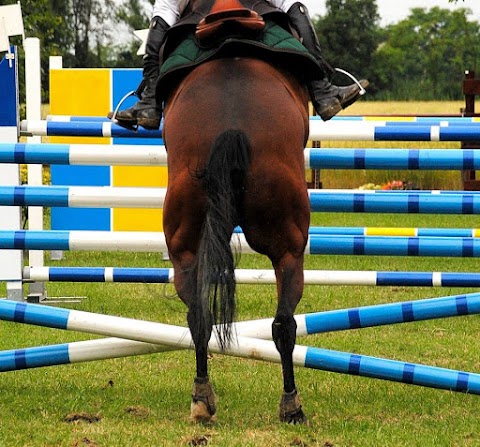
x=114, y=115
x=354, y=79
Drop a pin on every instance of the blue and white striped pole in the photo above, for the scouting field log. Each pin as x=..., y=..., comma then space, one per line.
x=105, y=129
x=84, y=240
x=362, y=131
x=99, y=274
x=328, y=158
x=394, y=246
x=317, y=244
x=256, y=276
x=74, y=118
x=387, y=119
x=396, y=231
x=391, y=231
x=83, y=154
x=394, y=202
x=82, y=196
x=179, y=338
x=406, y=120
x=320, y=201
x=401, y=159
x=365, y=131
x=75, y=352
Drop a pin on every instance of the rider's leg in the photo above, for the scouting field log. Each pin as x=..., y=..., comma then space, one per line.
x=146, y=112
x=327, y=99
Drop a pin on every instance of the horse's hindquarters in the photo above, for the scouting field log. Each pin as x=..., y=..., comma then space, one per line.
x=240, y=94
x=235, y=130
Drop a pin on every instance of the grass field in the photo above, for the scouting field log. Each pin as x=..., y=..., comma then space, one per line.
x=422, y=180
x=144, y=401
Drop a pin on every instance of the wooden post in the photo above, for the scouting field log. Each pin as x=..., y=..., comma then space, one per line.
x=471, y=88
x=313, y=177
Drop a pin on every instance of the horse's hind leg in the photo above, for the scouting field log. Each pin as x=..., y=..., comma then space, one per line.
x=280, y=231
x=204, y=401
x=285, y=249
x=289, y=272
x=181, y=234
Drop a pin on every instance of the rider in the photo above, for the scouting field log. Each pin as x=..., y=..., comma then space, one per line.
x=327, y=98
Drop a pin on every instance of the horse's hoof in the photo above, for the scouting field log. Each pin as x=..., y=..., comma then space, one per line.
x=290, y=410
x=204, y=402
x=296, y=418
x=200, y=414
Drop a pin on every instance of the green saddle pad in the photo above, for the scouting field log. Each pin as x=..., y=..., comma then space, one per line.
x=275, y=44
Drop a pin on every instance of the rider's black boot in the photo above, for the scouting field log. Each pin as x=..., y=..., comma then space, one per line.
x=146, y=112
x=327, y=99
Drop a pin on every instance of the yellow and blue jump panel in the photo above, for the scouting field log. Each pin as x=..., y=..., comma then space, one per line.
x=94, y=92
x=80, y=92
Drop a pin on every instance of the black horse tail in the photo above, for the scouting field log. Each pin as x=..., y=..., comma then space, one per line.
x=223, y=180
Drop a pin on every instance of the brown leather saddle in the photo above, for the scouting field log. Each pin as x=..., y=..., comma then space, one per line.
x=229, y=18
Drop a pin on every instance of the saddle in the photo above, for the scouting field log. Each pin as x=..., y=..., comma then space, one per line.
x=228, y=18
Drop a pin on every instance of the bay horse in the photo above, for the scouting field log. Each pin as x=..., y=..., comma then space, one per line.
x=235, y=129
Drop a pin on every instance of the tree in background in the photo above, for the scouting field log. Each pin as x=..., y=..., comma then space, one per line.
x=88, y=18
x=421, y=57
x=86, y=33
x=425, y=55
x=349, y=34
x=49, y=21
x=103, y=32
x=132, y=14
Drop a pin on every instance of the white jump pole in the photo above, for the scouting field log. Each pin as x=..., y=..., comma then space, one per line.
x=242, y=345
x=37, y=291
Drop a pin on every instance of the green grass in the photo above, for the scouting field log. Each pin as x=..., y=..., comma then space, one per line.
x=422, y=179
x=144, y=401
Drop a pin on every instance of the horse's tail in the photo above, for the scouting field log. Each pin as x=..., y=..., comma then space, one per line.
x=223, y=180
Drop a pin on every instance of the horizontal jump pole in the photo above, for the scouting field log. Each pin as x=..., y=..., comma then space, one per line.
x=243, y=346
x=316, y=245
x=402, y=159
x=391, y=231
x=74, y=118
x=365, y=131
x=331, y=158
x=428, y=120
x=83, y=129
x=83, y=240
x=83, y=196
x=396, y=191
x=431, y=120
x=394, y=202
x=318, y=131
x=320, y=200
x=397, y=231
x=256, y=276
x=83, y=154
